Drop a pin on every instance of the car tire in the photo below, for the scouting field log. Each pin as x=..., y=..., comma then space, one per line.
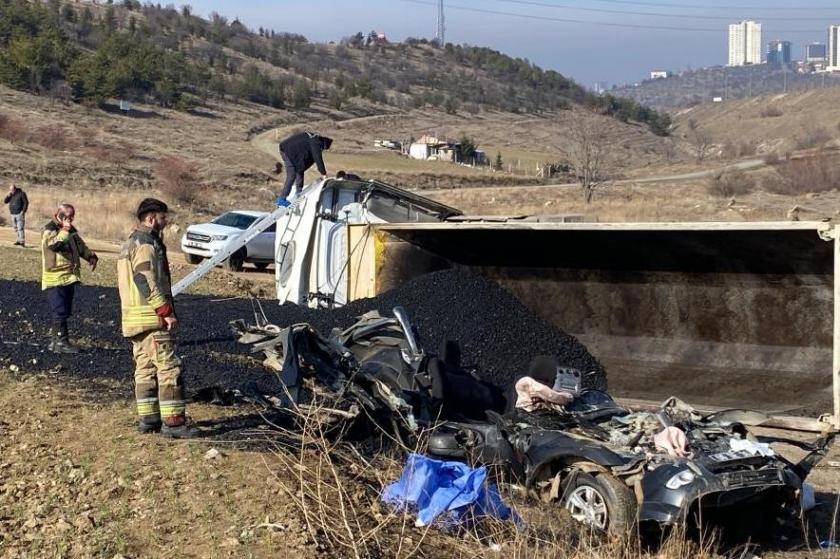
x=193, y=258
x=261, y=266
x=603, y=502
x=236, y=261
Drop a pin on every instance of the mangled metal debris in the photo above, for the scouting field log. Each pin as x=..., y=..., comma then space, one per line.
x=609, y=466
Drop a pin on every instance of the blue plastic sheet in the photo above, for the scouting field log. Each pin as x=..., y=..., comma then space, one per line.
x=450, y=493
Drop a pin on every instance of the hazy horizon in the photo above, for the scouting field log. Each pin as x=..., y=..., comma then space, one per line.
x=601, y=49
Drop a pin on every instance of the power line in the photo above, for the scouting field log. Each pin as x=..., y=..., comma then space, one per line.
x=717, y=6
x=654, y=14
x=597, y=23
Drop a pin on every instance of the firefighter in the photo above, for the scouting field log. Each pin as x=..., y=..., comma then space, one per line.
x=149, y=320
x=62, y=250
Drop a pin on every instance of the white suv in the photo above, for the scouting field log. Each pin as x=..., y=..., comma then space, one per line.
x=204, y=240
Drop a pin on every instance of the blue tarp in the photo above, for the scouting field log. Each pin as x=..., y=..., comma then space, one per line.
x=449, y=492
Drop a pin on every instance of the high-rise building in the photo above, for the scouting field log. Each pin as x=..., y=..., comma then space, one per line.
x=744, y=43
x=778, y=52
x=834, y=48
x=815, y=52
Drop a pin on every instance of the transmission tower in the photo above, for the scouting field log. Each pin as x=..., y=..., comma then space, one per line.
x=441, y=25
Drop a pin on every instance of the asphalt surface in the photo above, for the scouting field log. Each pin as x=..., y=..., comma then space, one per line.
x=496, y=332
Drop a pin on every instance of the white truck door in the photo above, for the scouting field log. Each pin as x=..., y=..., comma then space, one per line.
x=332, y=245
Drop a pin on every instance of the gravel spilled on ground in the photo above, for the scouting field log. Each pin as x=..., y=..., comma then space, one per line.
x=496, y=332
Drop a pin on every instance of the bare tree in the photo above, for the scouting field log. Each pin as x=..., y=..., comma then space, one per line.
x=701, y=141
x=587, y=151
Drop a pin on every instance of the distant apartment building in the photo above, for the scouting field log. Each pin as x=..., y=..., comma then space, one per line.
x=744, y=43
x=601, y=87
x=779, y=52
x=834, y=48
x=815, y=52
x=660, y=74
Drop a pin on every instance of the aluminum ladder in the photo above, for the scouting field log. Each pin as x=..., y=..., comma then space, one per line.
x=232, y=246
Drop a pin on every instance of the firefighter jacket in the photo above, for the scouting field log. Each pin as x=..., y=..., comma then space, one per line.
x=61, y=256
x=144, y=282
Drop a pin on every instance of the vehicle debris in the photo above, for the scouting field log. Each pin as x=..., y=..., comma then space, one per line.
x=609, y=466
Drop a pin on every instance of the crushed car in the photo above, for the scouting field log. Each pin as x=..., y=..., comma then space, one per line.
x=609, y=466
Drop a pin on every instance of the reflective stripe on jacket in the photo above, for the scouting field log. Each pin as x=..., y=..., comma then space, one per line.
x=144, y=282
x=61, y=256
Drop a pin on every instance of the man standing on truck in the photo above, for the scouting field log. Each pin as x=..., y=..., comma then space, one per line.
x=149, y=320
x=18, y=204
x=61, y=252
x=299, y=153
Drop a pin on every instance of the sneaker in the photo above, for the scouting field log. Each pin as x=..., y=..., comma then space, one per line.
x=180, y=432
x=144, y=428
x=283, y=202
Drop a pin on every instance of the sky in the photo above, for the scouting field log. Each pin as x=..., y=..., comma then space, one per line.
x=615, y=41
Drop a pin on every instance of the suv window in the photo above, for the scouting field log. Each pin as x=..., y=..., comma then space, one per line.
x=233, y=219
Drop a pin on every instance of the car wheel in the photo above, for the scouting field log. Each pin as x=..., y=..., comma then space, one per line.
x=261, y=266
x=236, y=261
x=193, y=258
x=603, y=502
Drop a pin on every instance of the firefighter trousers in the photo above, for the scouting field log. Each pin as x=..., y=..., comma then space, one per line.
x=158, y=382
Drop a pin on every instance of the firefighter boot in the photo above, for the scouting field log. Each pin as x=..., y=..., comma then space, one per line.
x=182, y=431
x=144, y=428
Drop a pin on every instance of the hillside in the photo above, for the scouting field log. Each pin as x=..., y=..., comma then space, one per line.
x=703, y=85
x=172, y=58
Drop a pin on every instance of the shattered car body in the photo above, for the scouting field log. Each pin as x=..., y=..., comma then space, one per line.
x=600, y=461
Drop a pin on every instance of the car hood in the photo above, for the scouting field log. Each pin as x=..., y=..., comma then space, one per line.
x=213, y=229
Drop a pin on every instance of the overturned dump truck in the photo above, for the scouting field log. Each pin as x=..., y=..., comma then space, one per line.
x=723, y=315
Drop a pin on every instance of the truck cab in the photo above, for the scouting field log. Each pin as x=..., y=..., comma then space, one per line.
x=313, y=243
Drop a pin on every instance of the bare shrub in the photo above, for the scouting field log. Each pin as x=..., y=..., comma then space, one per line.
x=700, y=140
x=812, y=137
x=178, y=178
x=729, y=183
x=803, y=176
x=772, y=158
x=771, y=111
x=13, y=129
x=55, y=137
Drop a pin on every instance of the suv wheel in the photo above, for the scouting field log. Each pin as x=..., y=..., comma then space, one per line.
x=603, y=502
x=193, y=258
x=236, y=261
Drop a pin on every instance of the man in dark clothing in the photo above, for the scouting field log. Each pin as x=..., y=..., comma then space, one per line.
x=18, y=204
x=299, y=153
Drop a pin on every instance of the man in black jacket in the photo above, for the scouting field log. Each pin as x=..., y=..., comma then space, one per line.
x=18, y=204
x=299, y=153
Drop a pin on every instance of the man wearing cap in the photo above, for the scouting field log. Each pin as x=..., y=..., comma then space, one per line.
x=149, y=320
x=62, y=250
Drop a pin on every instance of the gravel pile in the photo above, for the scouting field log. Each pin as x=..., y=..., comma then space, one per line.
x=496, y=332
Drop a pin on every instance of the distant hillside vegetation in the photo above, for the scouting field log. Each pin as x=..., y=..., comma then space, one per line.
x=99, y=53
x=702, y=86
